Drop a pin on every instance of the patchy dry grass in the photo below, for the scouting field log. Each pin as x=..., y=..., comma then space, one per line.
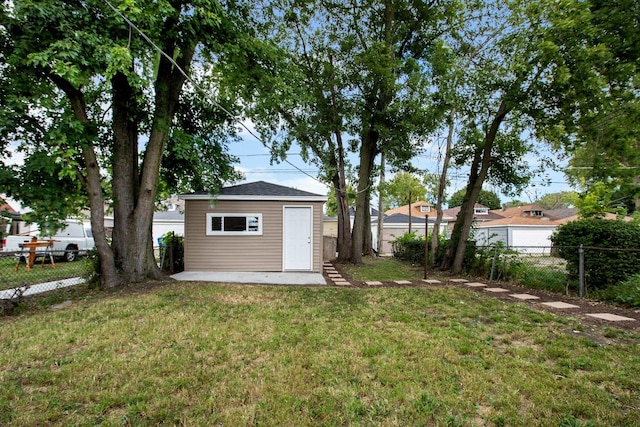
x=198, y=354
x=383, y=269
x=12, y=278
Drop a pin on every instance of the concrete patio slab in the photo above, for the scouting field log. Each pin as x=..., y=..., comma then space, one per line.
x=475, y=285
x=560, y=304
x=496, y=290
x=524, y=297
x=610, y=317
x=263, y=278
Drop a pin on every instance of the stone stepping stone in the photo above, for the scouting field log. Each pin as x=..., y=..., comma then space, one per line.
x=330, y=270
x=610, y=317
x=431, y=281
x=496, y=290
x=374, y=283
x=345, y=283
x=524, y=297
x=475, y=285
x=560, y=304
x=334, y=274
x=459, y=280
x=402, y=282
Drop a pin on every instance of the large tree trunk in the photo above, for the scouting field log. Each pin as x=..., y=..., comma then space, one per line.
x=435, y=235
x=92, y=183
x=456, y=248
x=342, y=198
x=135, y=188
x=368, y=153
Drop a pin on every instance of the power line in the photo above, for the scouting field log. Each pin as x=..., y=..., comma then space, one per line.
x=197, y=87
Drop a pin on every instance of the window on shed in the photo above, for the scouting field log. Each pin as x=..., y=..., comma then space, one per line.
x=234, y=224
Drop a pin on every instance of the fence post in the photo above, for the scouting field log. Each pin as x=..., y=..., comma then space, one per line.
x=581, y=270
x=493, y=263
x=426, y=244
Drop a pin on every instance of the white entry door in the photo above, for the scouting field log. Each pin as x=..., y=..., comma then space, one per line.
x=297, y=239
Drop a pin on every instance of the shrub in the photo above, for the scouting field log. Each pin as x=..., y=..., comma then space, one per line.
x=612, y=249
x=172, y=252
x=409, y=248
x=628, y=292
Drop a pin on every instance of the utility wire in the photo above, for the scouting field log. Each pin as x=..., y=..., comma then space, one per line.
x=198, y=88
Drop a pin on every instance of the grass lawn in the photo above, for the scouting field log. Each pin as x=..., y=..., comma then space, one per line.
x=10, y=278
x=383, y=269
x=205, y=354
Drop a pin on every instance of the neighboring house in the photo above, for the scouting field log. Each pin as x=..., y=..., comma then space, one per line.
x=526, y=211
x=259, y=227
x=529, y=227
x=396, y=225
x=330, y=226
x=481, y=213
x=166, y=221
x=418, y=208
x=531, y=234
x=397, y=222
x=7, y=213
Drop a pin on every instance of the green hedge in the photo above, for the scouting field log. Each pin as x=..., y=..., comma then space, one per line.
x=410, y=248
x=612, y=249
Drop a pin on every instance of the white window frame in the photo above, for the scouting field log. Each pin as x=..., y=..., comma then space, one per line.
x=425, y=208
x=481, y=211
x=246, y=232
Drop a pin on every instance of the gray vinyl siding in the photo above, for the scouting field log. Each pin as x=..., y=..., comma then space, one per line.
x=243, y=253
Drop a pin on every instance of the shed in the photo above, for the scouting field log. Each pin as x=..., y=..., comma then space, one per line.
x=254, y=227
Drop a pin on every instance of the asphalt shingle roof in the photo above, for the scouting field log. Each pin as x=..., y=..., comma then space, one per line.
x=260, y=189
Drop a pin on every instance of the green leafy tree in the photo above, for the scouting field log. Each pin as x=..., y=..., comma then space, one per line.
x=486, y=198
x=403, y=189
x=332, y=202
x=521, y=84
x=82, y=85
x=348, y=75
x=561, y=200
x=606, y=148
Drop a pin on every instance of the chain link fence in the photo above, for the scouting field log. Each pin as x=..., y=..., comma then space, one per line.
x=574, y=269
x=20, y=276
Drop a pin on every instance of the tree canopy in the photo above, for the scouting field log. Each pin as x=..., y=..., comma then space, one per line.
x=486, y=198
x=402, y=189
x=98, y=92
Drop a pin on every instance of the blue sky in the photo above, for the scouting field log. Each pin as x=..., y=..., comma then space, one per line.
x=254, y=163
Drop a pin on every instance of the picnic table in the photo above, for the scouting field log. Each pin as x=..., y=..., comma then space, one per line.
x=30, y=257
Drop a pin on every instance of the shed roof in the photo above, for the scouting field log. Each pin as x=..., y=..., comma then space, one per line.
x=259, y=190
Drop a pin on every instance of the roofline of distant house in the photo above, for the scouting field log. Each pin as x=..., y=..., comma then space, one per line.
x=317, y=198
